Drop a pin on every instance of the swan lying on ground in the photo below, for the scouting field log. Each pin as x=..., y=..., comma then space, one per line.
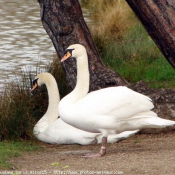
x=54, y=130
x=108, y=111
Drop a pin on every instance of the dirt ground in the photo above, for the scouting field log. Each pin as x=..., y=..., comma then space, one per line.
x=151, y=154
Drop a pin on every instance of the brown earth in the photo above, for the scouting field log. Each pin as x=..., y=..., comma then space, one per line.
x=151, y=154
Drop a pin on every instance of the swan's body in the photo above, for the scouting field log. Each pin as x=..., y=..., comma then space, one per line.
x=54, y=130
x=110, y=110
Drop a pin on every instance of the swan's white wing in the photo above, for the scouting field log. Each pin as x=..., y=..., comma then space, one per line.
x=115, y=101
x=114, y=110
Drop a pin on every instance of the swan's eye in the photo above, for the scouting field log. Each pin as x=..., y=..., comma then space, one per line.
x=69, y=51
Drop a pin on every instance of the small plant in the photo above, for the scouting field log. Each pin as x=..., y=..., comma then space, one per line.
x=66, y=167
x=56, y=164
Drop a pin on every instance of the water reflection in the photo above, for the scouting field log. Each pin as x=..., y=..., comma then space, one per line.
x=23, y=41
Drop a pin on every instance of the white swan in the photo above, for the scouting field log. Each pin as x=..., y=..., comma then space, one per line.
x=110, y=110
x=53, y=130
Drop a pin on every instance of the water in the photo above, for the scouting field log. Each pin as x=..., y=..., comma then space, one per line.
x=24, y=44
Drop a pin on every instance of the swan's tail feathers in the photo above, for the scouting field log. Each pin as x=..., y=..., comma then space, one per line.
x=159, y=122
x=149, y=120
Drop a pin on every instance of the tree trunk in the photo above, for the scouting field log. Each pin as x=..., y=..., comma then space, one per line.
x=158, y=18
x=64, y=23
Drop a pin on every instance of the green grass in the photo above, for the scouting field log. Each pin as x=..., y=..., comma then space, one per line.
x=125, y=46
x=136, y=57
x=10, y=149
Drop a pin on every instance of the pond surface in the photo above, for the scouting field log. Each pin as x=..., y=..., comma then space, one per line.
x=24, y=43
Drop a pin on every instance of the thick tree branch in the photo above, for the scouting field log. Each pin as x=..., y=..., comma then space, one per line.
x=158, y=18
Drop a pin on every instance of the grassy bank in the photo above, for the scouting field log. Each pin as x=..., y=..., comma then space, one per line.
x=138, y=58
x=125, y=46
x=10, y=149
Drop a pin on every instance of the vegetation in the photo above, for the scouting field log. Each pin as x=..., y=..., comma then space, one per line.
x=20, y=109
x=125, y=46
x=13, y=149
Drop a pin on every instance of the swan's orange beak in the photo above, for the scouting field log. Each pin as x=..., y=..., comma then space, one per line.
x=66, y=56
x=34, y=87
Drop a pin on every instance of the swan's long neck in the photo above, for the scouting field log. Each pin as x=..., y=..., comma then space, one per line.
x=52, y=111
x=82, y=86
x=54, y=99
x=81, y=89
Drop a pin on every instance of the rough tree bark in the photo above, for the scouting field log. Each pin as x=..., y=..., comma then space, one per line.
x=64, y=23
x=158, y=18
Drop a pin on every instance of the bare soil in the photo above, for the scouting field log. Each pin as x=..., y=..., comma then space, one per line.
x=151, y=154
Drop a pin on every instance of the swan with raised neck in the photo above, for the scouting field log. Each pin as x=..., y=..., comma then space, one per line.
x=110, y=110
x=82, y=87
